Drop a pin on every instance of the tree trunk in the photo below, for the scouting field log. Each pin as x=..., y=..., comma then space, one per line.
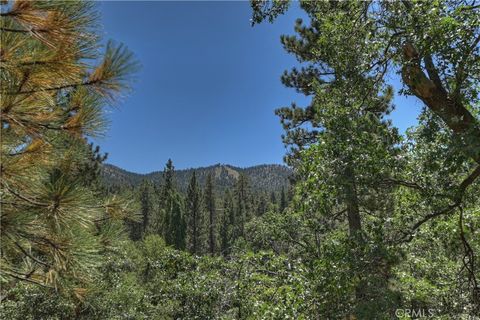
x=355, y=229
x=353, y=211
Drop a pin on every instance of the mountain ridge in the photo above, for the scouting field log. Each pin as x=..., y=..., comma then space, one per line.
x=263, y=177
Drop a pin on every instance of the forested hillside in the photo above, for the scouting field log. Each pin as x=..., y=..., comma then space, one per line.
x=376, y=224
x=267, y=178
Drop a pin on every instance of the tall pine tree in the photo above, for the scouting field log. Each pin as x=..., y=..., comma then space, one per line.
x=148, y=222
x=172, y=207
x=345, y=153
x=242, y=206
x=262, y=205
x=194, y=216
x=227, y=223
x=212, y=214
x=283, y=200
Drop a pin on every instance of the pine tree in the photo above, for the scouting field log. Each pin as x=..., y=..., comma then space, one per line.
x=283, y=200
x=156, y=224
x=164, y=197
x=177, y=231
x=227, y=223
x=242, y=206
x=273, y=205
x=89, y=170
x=273, y=198
x=262, y=205
x=347, y=148
x=148, y=222
x=195, y=221
x=52, y=98
x=212, y=215
x=168, y=176
x=172, y=208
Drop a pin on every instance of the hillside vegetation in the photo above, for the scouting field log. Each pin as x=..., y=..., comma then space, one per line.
x=375, y=225
x=265, y=177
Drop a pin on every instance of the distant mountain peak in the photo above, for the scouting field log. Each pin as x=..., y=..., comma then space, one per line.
x=225, y=169
x=265, y=177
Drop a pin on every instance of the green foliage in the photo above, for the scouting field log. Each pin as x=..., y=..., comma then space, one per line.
x=175, y=227
x=378, y=222
x=195, y=217
x=152, y=280
x=55, y=220
x=212, y=215
x=357, y=176
x=227, y=224
x=31, y=302
x=242, y=206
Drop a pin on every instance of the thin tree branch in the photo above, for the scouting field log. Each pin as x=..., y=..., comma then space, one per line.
x=458, y=201
x=67, y=86
x=27, y=280
x=29, y=255
x=23, y=197
x=33, y=30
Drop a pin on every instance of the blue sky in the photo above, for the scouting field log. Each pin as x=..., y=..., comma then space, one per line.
x=208, y=86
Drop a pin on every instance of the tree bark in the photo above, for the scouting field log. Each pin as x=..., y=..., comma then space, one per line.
x=355, y=227
x=353, y=211
x=429, y=89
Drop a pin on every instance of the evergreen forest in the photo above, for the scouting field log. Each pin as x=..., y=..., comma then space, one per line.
x=362, y=222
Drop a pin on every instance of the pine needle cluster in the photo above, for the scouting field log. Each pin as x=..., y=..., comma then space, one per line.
x=55, y=84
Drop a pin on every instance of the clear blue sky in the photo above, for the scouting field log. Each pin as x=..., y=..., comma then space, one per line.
x=208, y=86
